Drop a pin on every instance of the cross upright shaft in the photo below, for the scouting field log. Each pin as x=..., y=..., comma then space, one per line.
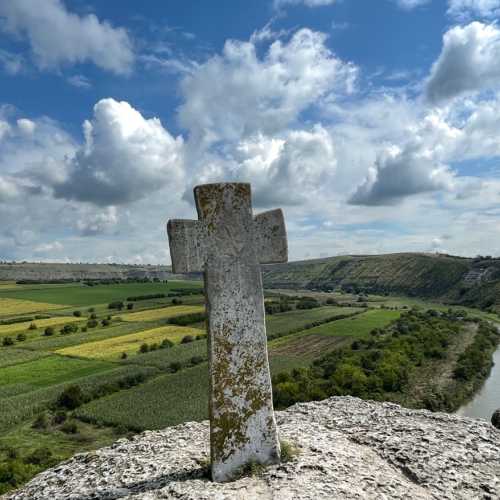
x=228, y=244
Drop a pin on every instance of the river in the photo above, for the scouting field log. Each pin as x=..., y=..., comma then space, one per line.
x=487, y=399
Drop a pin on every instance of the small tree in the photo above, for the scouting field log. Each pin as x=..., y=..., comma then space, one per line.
x=32, y=326
x=124, y=355
x=130, y=306
x=105, y=322
x=166, y=344
x=72, y=397
x=91, y=323
x=49, y=331
x=77, y=314
x=186, y=339
x=21, y=337
x=144, y=348
x=7, y=341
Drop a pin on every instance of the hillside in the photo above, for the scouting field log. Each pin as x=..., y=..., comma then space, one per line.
x=465, y=281
x=46, y=272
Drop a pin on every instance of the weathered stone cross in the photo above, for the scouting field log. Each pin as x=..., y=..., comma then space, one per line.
x=228, y=244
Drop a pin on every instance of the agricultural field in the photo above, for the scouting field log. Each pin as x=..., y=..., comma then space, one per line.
x=37, y=323
x=162, y=313
x=113, y=349
x=12, y=307
x=126, y=379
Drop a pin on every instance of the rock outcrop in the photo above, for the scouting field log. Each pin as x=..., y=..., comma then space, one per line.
x=348, y=448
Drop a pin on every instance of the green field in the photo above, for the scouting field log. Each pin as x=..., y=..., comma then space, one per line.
x=161, y=313
x=48, y=371
x=81, y=295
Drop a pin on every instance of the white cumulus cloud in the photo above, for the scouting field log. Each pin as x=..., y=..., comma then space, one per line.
x=411, y=4
x=237, y=94
x=125, y=157
x=58, y=37
x=308, y=3
x=464, y=9
x=469, y=62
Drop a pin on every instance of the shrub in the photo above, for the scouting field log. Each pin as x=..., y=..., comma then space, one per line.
x=196, y=360
x=116, y=305
x=72, y=397
x=60, y=417
x=105, y=322
x=154, y=347
x=91, y=323
x=144, y=348
x=49, y=331
x=176, y=301
x=187, y=339
x=91, y=309
x=77, y=314
x=32, y=326
x=40, y=422
x=93, y=316
x=175, y=366
x=84, y=329
x=7, y=341
x=41, y=456
x=288, y=451
x=130, y=306
x=124, y=355
x=70, y=328
x=166, y=344
x=21, y=337
x=69, y=428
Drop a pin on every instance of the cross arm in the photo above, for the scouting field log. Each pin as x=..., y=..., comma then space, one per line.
x=186, y=245
x=270, y=234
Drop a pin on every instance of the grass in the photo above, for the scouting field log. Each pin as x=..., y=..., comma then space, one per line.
x=13, y=306
x=82, y=295
x=130, y=344
x=49, y=370
x=161, y=402
x=293, y=320
x=12, y=356
x=162, y=313
x=40, y=323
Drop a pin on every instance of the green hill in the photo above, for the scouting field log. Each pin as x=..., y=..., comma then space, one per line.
x=458, y=280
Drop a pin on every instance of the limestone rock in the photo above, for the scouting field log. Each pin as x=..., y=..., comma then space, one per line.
x=495, y=419
x=349, y=448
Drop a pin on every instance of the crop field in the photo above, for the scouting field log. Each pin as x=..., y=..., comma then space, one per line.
x=113, y=348
x=49, y=370
x=147, y=390
x=82, y=295
x=297, y=319
x=40, y=323
x=12, y=307
x=163, y=401
x=14, y=356
x=162, y=313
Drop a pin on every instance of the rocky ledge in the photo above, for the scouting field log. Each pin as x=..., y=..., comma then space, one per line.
x=348, y=448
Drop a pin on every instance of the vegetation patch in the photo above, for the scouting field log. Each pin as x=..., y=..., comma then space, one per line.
x=11, y=307
x=130, y=344
x=162, y=313
x=38, y=323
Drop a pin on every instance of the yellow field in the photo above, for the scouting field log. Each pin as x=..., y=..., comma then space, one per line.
x=164, y=312
x=17, y=306
x=40, y=323
x=8, y=285
x=113, y=348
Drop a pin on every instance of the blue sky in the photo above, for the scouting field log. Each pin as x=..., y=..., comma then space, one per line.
x=373, y=124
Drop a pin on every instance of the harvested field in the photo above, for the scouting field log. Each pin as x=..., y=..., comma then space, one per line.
x=162, y=313
x=13, y=307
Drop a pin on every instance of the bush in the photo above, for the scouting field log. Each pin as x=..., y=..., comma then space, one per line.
x=144, y=349
x=70, y=328
x=40, y=422
x=166, y=344
x=92, y=323
x=60, y=417
x=77, y=314
x=105, y=322
x=32, y=326
x=130, y=306
x=124, y=355
x=21, y=337
x=116, y=305
x=93, y=316
x=69, y=428
x=175, y=366
x=187, y=339
x=176, y=301
x=41, y=456
x=7, y=341
x=84, y=329
x=72, y=397
x=91, y=309
x=49, y=331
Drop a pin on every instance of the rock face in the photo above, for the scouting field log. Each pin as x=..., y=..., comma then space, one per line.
x=495, y=419
x=348, y=448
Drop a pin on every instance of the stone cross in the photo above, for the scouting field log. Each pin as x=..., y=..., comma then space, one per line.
x=228, y=244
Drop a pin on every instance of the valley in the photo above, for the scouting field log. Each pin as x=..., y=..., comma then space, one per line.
x=82, y=364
